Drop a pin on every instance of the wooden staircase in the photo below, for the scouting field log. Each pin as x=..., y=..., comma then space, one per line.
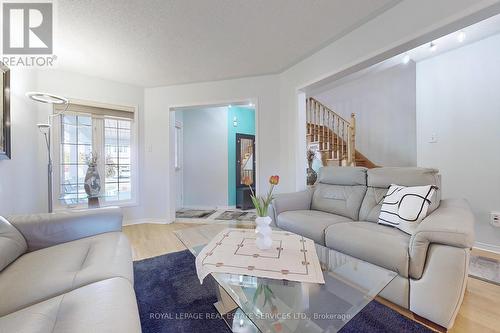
x=333, y=136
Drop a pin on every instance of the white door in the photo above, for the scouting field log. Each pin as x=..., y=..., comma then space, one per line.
x=179, y=188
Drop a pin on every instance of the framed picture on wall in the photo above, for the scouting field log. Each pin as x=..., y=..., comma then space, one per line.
x=5, y=144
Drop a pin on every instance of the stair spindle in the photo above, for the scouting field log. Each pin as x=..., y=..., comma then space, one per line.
x=323, y=128
x=316, y=121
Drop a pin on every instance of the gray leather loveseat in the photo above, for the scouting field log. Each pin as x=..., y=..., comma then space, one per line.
x=66, y=272
x=342, y=211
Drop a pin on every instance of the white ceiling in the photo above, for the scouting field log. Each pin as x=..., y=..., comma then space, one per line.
x=473, y=33
x=450, y=42
x=159, y=42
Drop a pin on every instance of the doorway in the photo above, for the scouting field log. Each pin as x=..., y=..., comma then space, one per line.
x=214, y=150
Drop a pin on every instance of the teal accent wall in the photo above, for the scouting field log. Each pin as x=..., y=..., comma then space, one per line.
x=246, y=125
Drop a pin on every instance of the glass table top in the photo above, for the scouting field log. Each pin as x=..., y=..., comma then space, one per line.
x=287, y=306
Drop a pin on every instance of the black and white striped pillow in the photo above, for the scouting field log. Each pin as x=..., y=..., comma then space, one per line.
x=405, y=207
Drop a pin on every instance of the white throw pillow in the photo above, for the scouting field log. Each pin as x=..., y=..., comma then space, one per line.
x=405, y=207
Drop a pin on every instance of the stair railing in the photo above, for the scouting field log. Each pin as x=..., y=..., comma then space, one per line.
x=337, y=135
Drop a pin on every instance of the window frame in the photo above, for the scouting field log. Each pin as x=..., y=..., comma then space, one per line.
x=98, y=144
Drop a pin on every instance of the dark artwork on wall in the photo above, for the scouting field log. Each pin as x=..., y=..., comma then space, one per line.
x=5, y=144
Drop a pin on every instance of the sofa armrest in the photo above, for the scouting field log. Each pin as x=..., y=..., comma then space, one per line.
x=290, y=201
x=44, y=230
x=451, y=224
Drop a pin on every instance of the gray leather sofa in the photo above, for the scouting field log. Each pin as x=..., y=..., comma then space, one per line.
x=342, y=211
x=66, y=272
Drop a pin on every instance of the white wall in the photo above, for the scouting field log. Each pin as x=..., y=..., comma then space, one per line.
x=19, y=185
x=458, y=101
x=205, y=155
x=384, y=104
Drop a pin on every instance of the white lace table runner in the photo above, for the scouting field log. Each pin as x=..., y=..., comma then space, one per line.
x=292, y=257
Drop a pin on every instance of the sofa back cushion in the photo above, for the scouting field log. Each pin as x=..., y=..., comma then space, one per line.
x=340, y=191
x=347, y=176
x=372, y=203
x=379, y=180
x=12, y=243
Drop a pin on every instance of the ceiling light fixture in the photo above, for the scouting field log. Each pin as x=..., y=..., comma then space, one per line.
x=461, y=36
x=406, y=58
x=46, y=98
x=432, y=47
x=229, y=105
x=250, y=105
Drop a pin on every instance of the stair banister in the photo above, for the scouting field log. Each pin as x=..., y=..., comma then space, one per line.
x=334, y=134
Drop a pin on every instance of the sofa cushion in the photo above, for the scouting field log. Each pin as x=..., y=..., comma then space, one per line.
x=406, y=176
x=47, y=273
x=12, y=243
x=372, y=203
x=339, y=199
x=342, y=176
x=377, y=244
x=104, y=306
x=309, y=223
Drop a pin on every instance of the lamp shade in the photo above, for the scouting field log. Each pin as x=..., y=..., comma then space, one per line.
x=46, y=98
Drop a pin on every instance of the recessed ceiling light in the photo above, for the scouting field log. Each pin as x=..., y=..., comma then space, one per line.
x=229, y=105
x=250, y=105
x=461, y=36
x=406, y=58
x=432, y=47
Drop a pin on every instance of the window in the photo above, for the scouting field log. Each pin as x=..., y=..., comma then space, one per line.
x=76, y=146
x=117, y=137
x=110, y=135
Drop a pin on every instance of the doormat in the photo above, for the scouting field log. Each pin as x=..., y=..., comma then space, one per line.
x=247, y=216
x=193, y=213
x=486, y=269
x=229, y=215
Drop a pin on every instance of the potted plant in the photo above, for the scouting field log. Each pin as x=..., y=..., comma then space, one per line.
x=261, y=204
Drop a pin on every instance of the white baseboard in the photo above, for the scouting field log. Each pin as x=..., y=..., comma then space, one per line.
x=487, y=247
x=143, y=221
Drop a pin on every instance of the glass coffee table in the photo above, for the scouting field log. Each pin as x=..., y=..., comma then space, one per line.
x=251, y=304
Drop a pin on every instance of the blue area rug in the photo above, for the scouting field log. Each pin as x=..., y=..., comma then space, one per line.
x=171, y=300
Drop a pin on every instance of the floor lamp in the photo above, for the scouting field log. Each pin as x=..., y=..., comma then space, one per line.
x=45, y=129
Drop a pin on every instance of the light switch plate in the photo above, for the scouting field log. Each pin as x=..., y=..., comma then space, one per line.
x=495, y=219
x=433, y=138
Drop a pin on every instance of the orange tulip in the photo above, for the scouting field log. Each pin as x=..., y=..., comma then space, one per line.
x=274, y=180
x=247, y=181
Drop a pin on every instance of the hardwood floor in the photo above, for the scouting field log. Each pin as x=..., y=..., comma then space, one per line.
x=480, y=311
x=151, y=240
